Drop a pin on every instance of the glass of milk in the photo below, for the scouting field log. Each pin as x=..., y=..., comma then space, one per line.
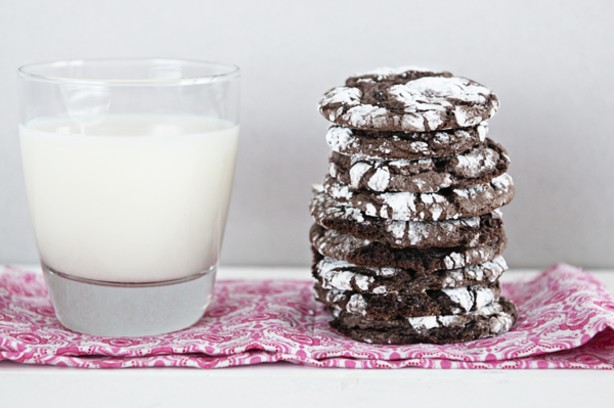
x=128, y=166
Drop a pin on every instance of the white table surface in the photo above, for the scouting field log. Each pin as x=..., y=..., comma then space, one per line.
x=294, y=386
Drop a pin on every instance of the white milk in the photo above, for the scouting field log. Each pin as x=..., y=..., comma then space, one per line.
x=131, y=198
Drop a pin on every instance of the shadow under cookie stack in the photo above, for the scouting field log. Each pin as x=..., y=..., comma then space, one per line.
x=408, y=235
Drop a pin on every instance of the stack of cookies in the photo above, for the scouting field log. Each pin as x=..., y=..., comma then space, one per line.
x=408, y=235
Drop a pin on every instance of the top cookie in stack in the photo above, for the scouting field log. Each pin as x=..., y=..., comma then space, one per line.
x=408, y=237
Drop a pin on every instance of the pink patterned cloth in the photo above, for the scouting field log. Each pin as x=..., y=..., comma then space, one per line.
x=566, y=321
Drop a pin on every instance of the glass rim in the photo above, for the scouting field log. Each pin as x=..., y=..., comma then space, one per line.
x=228, y=72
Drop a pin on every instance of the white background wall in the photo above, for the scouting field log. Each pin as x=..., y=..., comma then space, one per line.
x=550, y=62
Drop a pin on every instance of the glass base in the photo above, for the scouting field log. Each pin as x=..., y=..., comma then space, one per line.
x=129, y=309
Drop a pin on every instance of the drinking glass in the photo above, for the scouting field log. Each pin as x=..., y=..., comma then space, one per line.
x=128, y=166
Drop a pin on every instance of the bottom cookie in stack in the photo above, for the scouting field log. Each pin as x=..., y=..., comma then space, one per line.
x=489, y=321
x=401, y=306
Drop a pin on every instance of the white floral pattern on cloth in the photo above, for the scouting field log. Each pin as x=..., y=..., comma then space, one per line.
x=566, y=321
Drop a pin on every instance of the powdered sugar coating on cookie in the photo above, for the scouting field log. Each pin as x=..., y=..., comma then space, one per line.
x=343, y=217
x=454, y=301
x=344, y=276
x=491, y=320
x=368, y=254
x=392, y=145
x=501, y=322
x=408, y=100
x=404, y=206
x=425, y=175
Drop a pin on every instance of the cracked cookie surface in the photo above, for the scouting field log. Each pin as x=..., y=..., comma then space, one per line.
x=408, y=99
x=374, y=254
x=342, y=217
x=489, y=321
x=426, y=175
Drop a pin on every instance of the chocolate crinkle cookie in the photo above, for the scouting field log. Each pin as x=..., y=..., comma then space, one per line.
x=426, y=175
x=492, y=320
x=408, y=100
x=408, y=235
x=404, y=146
x=344, y=276
x=375, y=254
x=334, y=215
x=399, y=304
x=445, y=204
